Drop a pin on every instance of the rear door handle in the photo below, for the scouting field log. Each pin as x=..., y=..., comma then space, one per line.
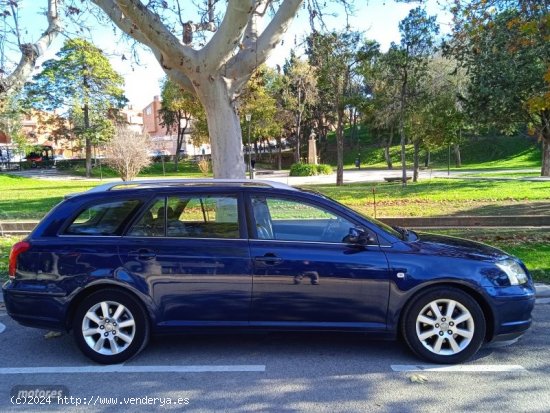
x=268, y=259
x=143, y=254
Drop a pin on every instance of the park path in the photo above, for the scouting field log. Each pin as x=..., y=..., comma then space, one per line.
x=350, y=175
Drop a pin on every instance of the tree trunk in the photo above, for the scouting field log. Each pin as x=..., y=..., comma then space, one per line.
x=415, y=162
x=545, y=169
x=224, y=129
x=458, y=160
x=279, y=154
x=387, y=154
x=340, y=148
x=179, y=139
x=88, y=141
x=545, y=137
x=428, y=158
x=297, y=156
x=403, y=153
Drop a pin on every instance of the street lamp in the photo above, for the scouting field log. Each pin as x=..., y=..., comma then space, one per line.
x=248, y=117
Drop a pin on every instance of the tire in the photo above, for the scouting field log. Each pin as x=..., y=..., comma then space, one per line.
x=444, y=325
x=114, y=338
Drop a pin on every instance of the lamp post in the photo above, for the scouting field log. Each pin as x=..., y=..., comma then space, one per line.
x=248, y=117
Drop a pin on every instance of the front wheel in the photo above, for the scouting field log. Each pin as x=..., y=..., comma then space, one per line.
x=110, y=327
x=444, y=325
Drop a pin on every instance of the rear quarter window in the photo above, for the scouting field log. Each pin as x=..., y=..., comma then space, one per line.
x=108, y=218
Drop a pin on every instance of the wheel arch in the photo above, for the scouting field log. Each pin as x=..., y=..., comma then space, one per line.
x=476, y=295
x=82, y=294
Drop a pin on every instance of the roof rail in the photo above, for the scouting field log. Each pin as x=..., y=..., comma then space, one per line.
x=149, y=183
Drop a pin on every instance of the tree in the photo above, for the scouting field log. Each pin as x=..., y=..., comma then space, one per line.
x=81, y=75
x=335, y=56
x=300, y=92
x=219, y=67
x=128, y=152
x=14, y=74
x=257, y=101
x=178, y=109
x=408, y=62
x=504, y=45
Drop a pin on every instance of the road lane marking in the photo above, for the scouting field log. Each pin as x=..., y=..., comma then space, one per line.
x=480, y=368
x=121, y=368
x=2, y=328
x=542, y=301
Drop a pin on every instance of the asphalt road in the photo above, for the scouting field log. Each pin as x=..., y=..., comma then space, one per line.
x=276, y=373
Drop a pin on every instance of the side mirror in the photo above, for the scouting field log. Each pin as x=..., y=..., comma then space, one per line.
x=360, y=236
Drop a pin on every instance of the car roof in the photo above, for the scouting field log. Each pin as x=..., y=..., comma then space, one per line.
x=179, y=183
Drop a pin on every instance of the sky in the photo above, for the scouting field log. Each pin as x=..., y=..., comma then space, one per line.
x=379, y=20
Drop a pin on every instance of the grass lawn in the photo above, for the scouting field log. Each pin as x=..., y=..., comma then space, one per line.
x=24, y=198
x=186, y=169
x=440, y=197
x=497, y=152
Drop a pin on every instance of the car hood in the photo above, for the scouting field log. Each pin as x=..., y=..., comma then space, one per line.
x=456, y=247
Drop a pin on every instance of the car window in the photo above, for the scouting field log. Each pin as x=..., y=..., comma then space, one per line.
x=152, y=222
x=103, y=219
x=289, y=220
x=202, y=217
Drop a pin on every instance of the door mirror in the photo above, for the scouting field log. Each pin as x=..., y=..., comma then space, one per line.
x=360, y=236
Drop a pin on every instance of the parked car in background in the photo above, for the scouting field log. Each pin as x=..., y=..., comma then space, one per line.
x=127, y=260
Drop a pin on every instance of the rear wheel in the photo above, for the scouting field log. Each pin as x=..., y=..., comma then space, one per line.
x=444, y=325
x=110, y=327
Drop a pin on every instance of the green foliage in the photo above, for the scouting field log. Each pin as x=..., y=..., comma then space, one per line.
x=258, y=100
x=305, y=169
x=178, y=109
x=80, y=74
x=505, y=47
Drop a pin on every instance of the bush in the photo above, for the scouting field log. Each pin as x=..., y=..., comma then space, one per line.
x=305, y=169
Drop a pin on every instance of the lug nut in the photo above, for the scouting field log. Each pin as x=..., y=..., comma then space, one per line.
x=443, y=319
x=450, y=332
x=437, y=325
x=451, y=324
x=106, y=334
x=441, y=333
x=101, y=327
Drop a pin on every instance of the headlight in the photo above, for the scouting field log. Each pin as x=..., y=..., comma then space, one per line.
x=515, y=273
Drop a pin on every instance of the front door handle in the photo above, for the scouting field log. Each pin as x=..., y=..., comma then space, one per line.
x=143, y=254
x=268, y=259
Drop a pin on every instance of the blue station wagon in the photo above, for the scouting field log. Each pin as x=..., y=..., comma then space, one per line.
x=127, y=260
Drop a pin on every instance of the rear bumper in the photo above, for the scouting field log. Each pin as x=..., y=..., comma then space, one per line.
x=38, y=309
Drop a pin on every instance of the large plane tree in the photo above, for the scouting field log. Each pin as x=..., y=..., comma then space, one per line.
x=213, y=66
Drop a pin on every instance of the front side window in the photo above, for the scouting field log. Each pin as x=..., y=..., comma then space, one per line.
x=193, y=216
x=289, y=220
x=103, y=219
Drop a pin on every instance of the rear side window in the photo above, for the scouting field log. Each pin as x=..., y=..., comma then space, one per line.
x=103, y=219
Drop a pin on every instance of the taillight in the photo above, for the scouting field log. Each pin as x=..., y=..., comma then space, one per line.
x=17, y=249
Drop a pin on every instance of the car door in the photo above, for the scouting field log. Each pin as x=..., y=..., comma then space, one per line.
x=192, y=252
x=305, y=274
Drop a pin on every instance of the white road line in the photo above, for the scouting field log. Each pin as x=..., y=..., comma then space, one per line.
x=542, y=301
x=120, y=368
x=2, y=328
x=480, y=368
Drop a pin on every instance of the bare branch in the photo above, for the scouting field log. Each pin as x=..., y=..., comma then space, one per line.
x=31, y=52
x=146, y=26
x=251, y=34
x=248, y=59
x=222, y=45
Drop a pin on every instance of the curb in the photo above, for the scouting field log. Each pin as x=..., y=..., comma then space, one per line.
x=543, y=290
